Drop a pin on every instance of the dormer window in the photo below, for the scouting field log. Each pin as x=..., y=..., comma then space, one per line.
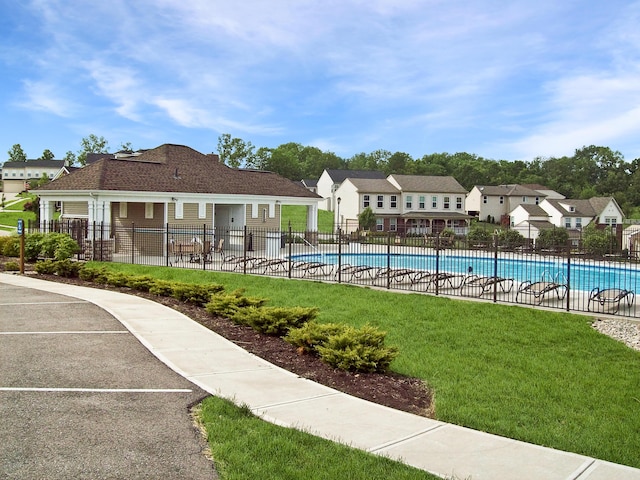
x=572, y=208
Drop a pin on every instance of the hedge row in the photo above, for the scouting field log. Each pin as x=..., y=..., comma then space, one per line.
x=341, y=346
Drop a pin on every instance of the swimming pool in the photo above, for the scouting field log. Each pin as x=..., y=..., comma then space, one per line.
x=583, y=276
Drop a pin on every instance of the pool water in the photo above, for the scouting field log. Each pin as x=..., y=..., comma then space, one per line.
x=583, y=276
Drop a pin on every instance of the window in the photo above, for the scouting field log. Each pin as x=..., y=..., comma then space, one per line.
x=612, y=221
x=380, y=201
x=485, y=199
x=379, y=224
x=524, y=199
x=408, y=201
x=123, y=209
x=445, y=203
x=434, y=202
x=537, y=200
x=365, y=201
x=578, y=223
x=393, y=224
x=148, y=210
x=567, y=223
x=501, y=200
x=458, y=203
x=421, y=202
x=393, y=201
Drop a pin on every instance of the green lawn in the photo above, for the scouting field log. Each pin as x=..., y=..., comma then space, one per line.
x=538, y=376
x=297, y=215
x=247, y=448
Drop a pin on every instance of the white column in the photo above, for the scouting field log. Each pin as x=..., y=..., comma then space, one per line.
x=312, y=218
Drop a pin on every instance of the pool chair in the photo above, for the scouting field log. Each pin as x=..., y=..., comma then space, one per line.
x=272, y=265
x=440, y=280
x=355, y=271
x=537, y=291
x=610, y=299
x=312, y=268
x=477, y=285
x=233, y=262
x=398, y=275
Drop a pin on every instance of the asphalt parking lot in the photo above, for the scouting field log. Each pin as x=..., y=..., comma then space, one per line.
x=80, y=397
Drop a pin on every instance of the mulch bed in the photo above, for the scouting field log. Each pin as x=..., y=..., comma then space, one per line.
x=389, y=389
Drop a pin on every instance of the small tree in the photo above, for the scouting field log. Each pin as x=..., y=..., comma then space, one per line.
x=598, y=241
x=510, y=238
x=16, y=154
x=553, y=238
x=47, y=155
x=367, y=219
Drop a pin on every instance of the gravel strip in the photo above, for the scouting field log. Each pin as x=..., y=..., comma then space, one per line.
x=626, y=331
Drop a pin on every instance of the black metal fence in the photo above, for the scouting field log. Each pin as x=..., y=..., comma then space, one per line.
x=564, y=277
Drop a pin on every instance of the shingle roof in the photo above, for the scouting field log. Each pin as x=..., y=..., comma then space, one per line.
x=508, y=191
x=428, y=184
x=534, y=210
x=339, y=176
x=369, y=185
x=35, y=163
x=583, y=208
x=176, y=168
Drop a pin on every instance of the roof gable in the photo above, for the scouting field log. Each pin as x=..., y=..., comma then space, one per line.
x=175, y=168
x=428, y=184
x=339, y=176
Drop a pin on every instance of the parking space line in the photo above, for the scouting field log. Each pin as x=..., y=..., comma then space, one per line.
x=43, y=303
x=70, y=332
x=95, y=390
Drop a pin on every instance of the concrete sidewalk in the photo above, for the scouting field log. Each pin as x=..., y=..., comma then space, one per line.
x=224, y=369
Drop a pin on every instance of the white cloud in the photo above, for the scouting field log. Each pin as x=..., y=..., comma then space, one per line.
x=46, y=97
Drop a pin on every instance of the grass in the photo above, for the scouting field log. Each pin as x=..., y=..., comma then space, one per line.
x=542, y=377
x=245, y=448
x=297, y=215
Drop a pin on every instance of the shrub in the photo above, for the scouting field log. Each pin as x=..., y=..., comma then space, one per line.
x=11, y=247
x=510, y=239
x=227, y=304
x=163, y=288
x=45, y=267
x=32, y=246
x=12, y=266
x=142, y=283
x=197, y=294
x=312, y=334
x=67, y=268
x=274, y=320
x=58, y=245
x=358, y=350
x=93, y=274
x=117, y=279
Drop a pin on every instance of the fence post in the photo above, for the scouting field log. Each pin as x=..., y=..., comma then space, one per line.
x=388, y=259
x=339, y=255
x=244, y=248
x=93, y=241
x=495, y=268
x=437, y=263
x=166, y=243
x=133, y=243
x=569, y=276
x=290, y=249
x=203, y=254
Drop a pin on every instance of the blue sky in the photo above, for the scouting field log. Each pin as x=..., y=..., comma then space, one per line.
x=501, y=79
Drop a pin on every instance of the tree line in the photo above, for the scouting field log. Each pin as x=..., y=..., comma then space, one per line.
x=590, y=171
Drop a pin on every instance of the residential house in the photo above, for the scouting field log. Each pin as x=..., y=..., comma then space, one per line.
x=310, y=184
x=330, y=181
x=15, y=175
x=408, y=204
x=494, y=202
x=571, y=214
x=174, y=184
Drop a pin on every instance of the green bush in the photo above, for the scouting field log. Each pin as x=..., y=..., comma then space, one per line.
x=67, y=268
x=163, y=288
x=142, y=283
x=274, y=320
x=227, y=304
x=117, y=279
x=45, y=267
x=12, y=267
x=358, y=350
x=58, y=245
x=93, y=274
x=11, y=247
x=32, y=246
x=312, y=334
x=197, y=294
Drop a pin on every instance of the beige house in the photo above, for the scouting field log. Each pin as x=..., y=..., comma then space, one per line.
x=177, y=186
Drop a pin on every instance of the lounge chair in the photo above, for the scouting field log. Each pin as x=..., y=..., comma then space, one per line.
x=440, y=280
x=313, y=268
x=233, y=262
x=482, y=285
x=398, y=275
x=611, y=297
x=209, y=251
x=355, y=271
x=270, y=265
x=537, y=291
